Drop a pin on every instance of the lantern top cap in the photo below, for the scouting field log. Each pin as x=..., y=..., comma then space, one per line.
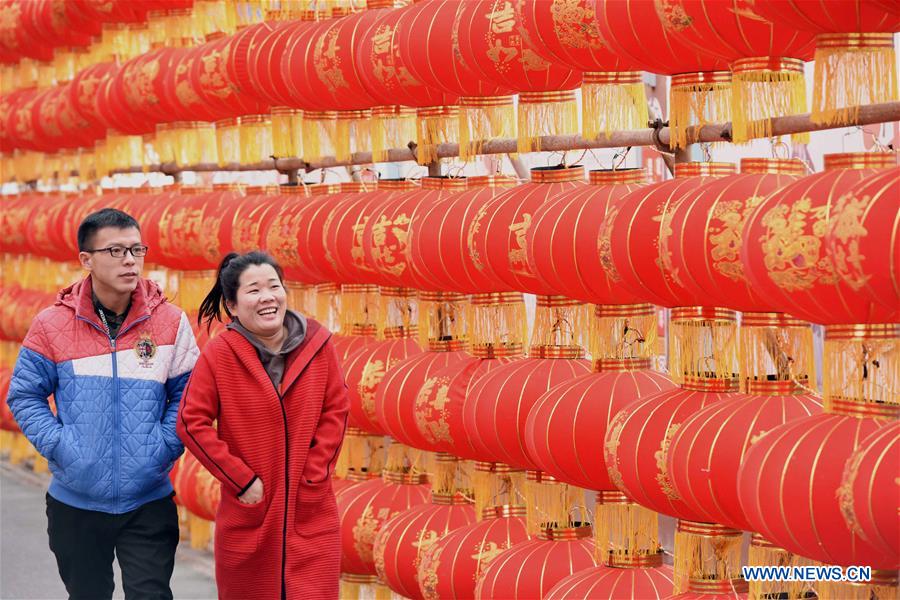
x=444, y=182
x=704, y=169
x=617, y=176
x=860, y=160
x=504, y=510
x=562, y=534
x=557, y=174
x=779, y=166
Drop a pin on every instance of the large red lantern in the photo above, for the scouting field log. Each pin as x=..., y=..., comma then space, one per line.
x=530, y=570
x=603, y=582
x=566, y=428
x=430, y=47
x=84, y=88
x=282, y=230
x=268, y=43
x=766, y=58
x=366, y=507
x=366, y=370
x=439, y=248
x=493, y=40
x=451, y=566
x=706, y=452
x=240, y=231
x=701, y=84
x=869, y=490
x=498, y=233
x=562, y=240
x=863, y=221
x=386, y=236
x=787, y=465
x=213, y=83
x=440, y=401
x=404, y=540
x=785, y=254
x=855, y=60
x=632, y=242
x=496, y=410
x=397, y=396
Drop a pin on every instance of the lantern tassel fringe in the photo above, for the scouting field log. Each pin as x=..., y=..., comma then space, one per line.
x=431, y=131
x=846, y=78
x=624, y=530
x=757, y=96
x=393, y=131
x=478, y=124
x=697, y=105
x=706, y=557
x=764, y=555
x=609, y=107
x=545, y=118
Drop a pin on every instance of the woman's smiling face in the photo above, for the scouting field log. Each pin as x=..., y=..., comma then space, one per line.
x=261, y=301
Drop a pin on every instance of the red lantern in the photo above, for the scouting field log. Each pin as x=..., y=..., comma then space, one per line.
x=855, y=61
x=439, y=250
x=142, y=81
x=706, y=452
x=632, y=241
x=713, y=589
x=497, y=235
x=404, y=539
x=240, y=231
x=637, y=441
x=863, y=221
x=268, y=43
x=84, y=89
x=304, y=237
x=192, y=241
x=566, y=428
x=344, y=229
x=450, y=567
x=486, y=105
x=602, y=582
x=397, y=396
x=562, y=239
x=212, y=81
x=497, y=406
x=281, y=231
x=440, y=401
x=386, y=236
x=787, y=466
x=868, y=491
x=786, y=255
x=530, y=570
x=365, y=370
x=493, y=40
x=365, y=508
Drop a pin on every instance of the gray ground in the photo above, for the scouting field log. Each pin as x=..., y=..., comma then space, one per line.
x=27, y=567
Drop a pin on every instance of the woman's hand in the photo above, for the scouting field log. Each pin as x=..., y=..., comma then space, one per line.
x=253, y=494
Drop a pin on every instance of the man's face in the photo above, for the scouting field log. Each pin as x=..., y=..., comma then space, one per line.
x=119, y=275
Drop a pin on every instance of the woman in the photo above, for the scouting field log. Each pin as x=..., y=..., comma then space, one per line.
x=272, y=384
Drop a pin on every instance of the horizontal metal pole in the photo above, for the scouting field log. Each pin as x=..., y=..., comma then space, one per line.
x=714, y=132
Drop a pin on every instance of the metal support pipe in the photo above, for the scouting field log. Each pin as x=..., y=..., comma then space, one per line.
x=657, y=137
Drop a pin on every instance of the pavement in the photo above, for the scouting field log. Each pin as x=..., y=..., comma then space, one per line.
x=28, y=568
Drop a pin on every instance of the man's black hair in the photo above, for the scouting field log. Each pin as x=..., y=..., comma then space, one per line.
x=105, y=217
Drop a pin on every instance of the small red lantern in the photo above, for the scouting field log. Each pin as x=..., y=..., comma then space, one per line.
x=365, y=371
x=862, y=223
x=632, y=241
x=404, y=540
x=365, y=508
x=868, y=491
x=562, y=239
x=439, y=250
x=397, y=396
x=450, y=567
x=705, y=453
x=498, y=233
x=497, y=407
x=240, y=231
x=531, y=569
x=786, y=465
x=566, y=428
x=603, y=582
x=786, y=256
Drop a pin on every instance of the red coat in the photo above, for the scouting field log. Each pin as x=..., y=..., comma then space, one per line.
x=290, y=540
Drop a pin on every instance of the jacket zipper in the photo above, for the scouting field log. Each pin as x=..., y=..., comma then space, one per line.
x=287, y=487
x=116, y=400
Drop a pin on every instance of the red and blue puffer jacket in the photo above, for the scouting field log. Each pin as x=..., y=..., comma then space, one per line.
x=113, y=441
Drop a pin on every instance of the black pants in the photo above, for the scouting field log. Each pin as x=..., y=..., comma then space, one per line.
x=144, y=540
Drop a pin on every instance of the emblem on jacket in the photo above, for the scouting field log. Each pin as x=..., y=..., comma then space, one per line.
x=145, y=349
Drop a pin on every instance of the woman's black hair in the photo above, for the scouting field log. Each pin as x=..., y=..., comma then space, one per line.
x=228, y=280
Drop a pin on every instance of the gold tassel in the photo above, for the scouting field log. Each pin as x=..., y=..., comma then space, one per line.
x=301, y=296
x=383, y=592
x=545, y=113
x=193, y=287
x=352, y=133
x=697, y=99
x=319, y=131
x=883, y=586
x=359, y=309
x=703, y=343
x=561, y=321
x=435, y=125
x=763, y=553
x=852, y=69
x=550, y=504
x=228, y=141
x=255, y=134
x=623, y=331
x=862, y=365
x=287, y=132
x=624, y=530
x=763, y=88
x=498, y=319
x=612, y=101
x=483, y=119
x=774, y=345
x=495, y=484
x=705, y=551
x=391, y=127
x=349, y=590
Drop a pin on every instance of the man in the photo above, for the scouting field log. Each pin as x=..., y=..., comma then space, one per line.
x=116, y=357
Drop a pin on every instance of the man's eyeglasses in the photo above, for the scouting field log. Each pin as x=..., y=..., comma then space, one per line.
x=137, y=251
